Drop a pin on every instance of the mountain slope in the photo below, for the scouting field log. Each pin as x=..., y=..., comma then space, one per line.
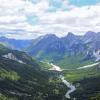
x=49, y=47
x=70, y=51
x=26, y=81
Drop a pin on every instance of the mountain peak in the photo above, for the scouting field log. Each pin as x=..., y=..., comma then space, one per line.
x=52, y=36
x=70, y=34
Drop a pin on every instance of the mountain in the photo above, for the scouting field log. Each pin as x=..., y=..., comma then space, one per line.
x=47, y=47
x=70, y=51
x=15, y=44
x=23, y=78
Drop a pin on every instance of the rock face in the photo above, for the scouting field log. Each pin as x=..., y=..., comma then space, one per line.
x=13, y=57
x=97, y=55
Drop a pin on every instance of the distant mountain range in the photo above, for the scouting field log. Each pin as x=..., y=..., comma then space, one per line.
x=14, y=44
x=71, y=51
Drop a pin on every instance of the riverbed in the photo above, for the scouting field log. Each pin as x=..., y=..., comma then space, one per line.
x=68, y=84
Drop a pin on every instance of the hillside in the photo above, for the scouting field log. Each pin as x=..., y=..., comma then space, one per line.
x=23, y=78
x=87, y=82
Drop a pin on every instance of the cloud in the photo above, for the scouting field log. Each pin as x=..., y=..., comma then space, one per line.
x=32, y=18
x=77, y=20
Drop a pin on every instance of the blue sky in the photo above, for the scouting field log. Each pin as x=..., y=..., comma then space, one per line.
x=79, y=3
x=84, y=2
x=33, y=18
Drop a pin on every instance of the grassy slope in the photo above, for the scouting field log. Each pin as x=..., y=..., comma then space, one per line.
x=79, y=74
x=70, y=62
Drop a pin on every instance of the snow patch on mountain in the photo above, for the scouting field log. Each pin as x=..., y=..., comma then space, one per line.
x=97, y=55
x=12, y=57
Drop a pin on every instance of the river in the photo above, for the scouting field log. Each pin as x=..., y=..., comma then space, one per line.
x=68, y=84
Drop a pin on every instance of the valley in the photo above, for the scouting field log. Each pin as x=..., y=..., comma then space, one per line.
x=51, y=68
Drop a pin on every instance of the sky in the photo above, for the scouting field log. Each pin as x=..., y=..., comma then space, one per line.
x=29, y=19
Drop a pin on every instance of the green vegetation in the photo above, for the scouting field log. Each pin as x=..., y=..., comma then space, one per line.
x=88, y=89
x=79, y=74
x=33, y=81
x=67, y=62
x=87, y=82
x=45, y=66
x=27, y=81
x=95, y=96
x=11, y=75
x=73, y=62
x=3, y=97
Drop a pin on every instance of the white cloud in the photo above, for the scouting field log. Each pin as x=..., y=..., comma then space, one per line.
x=77, y=20
x=14, y=16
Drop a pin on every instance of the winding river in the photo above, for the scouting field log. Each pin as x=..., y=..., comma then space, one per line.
x=68, y=84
